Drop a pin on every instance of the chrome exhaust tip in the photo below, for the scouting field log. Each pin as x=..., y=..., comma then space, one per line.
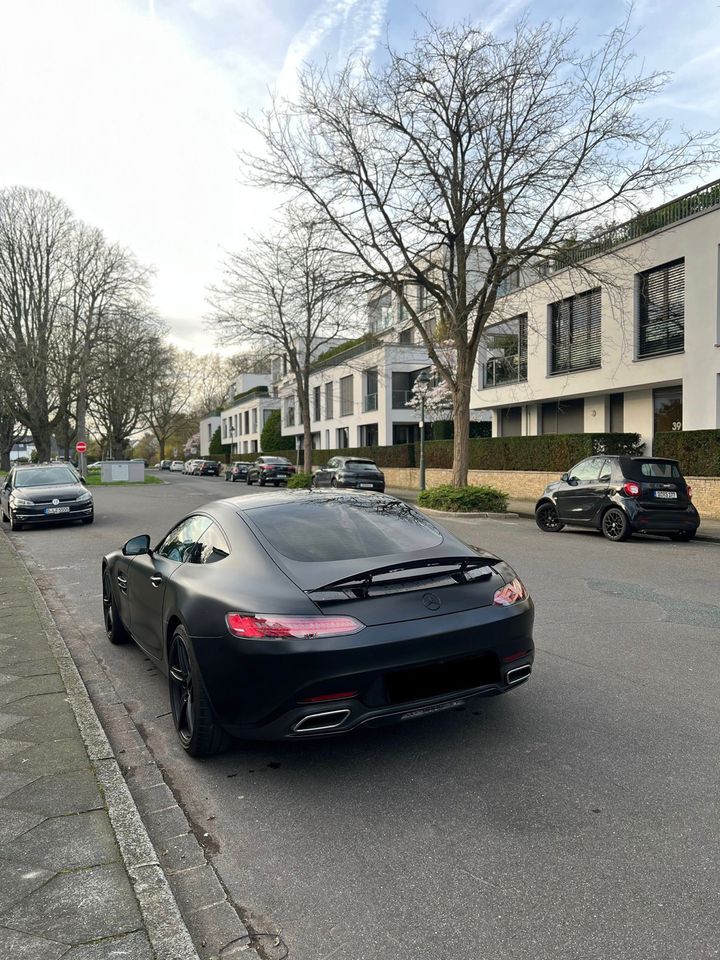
x=518, y=673
x=317, y=722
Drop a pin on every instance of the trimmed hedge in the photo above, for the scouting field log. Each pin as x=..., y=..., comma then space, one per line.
x=549, y=452
x=697, y=450
x=464, y=499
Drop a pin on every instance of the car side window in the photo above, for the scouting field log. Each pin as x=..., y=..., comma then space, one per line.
x=179, y=543
x=586, y=469
x=332, y=463
x=606, y=471
x=211, y=547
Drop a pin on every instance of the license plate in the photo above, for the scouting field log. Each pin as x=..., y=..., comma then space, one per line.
x=666, y=494
x=433, y=708
x=57, y=509
x=370, y=485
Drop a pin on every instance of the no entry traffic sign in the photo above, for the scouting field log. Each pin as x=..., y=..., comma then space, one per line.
x=81, y=446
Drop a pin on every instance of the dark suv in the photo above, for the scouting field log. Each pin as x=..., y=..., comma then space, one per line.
x=620, y=496
x=275, y=470
x=352, y=472
x=206, y=468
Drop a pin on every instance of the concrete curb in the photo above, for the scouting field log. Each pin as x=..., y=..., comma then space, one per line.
x=462, y=515
x=166, y=929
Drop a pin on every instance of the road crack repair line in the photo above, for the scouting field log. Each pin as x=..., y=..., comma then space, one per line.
x=693, y=613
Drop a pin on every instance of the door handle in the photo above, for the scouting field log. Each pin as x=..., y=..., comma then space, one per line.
x=156, y=580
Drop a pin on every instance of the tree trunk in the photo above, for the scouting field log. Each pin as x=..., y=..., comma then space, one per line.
x=161, y=448
x=307, y=440
x=4, y=460
x=461, y=421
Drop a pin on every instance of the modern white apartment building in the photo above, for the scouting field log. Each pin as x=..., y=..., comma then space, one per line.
x=633, y=347
x=359, y=396
x=208, y=426
x=250, y=403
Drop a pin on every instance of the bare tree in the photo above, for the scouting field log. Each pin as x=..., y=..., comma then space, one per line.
x=287, y=295
x=468, y=157
x=35, y=231
x=170, y=387
x=120, y=398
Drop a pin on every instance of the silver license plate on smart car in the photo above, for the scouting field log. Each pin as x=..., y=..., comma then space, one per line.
x=666, y=494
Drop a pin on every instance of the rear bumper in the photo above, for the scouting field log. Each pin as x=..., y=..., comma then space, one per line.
x=377, y=485
x=399, y=671
x=663, y=520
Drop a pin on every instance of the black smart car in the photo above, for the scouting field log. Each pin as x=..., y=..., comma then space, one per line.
x=43, y=494
x=309, y=613
x=350, y=472
x=621, y=496
x=275, y=470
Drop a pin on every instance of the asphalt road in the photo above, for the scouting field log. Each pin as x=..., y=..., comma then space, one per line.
x=576, y=817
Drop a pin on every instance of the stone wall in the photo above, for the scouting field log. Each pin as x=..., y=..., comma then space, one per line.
x=529, y=484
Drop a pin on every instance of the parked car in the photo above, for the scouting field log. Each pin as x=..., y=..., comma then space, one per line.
x=177, y=466
x=43, y=494
x=275, y=470
x=164, y=464
x=307, y=613
x=237, y=470
x=207, y=468
x=350, y=472
x=189, y=466
x=144, y=462
x=621, y=496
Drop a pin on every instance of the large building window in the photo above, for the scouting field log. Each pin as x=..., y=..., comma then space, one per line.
x=343, y=437
x=563, y=416
x=346, y=396
x=369, y=435
x=316, y=403
x=510, y=421
x=668, y=409
x=506, y=345
x=575, y=332
x=661, y=309
x=370, y=401
x=329, y=401
x=381, y=313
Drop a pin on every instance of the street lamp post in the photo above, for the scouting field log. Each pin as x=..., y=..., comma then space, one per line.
x=423, y=379
x=232, y=442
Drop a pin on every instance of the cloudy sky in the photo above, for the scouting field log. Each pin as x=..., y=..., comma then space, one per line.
x=128, y=108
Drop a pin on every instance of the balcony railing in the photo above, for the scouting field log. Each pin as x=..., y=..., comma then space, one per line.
x=370, y=402
x=401, y=398
x=500, y=370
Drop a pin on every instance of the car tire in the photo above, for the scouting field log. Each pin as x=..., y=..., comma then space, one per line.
x=547, y=519
x=4, y=516
x=261, y=481
x=683, y=536
x=333, y=482
x=114, y=629
x=248, y=481
x=615, y=525
x=14, y=525
x=198, y=731
x=87, y=520
x=226, y=478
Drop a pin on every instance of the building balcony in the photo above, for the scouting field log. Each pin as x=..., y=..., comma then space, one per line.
x=401, y=398
x=501, y=370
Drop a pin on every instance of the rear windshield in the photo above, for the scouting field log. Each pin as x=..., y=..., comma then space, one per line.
x=44, y=477
x=651, y=469
x=331, y=529
x=361, y=466
x=274, y=460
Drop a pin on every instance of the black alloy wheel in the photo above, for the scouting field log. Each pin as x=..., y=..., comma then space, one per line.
x=114, y=629
x=192, y=715
x=333, y=482
x=546, y=517
x=683, y=536
x=261, y=481
x=14, y=525
x=615, y=525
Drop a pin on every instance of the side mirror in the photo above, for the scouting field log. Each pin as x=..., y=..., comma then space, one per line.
x=137, y=546
x=565, y=477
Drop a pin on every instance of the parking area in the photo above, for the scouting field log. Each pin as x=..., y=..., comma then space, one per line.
x=573, y=818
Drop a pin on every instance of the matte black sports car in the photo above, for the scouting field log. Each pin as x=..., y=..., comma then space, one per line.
x=45, y=493
x=621, y=496
x=308, y=613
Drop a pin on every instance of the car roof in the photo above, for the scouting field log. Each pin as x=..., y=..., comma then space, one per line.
x=281, y=497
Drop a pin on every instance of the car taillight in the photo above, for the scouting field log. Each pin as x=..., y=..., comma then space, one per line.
x=689, y=492
x=267, y=625
x=266, y=466
x=631, y=489
x=510, y=594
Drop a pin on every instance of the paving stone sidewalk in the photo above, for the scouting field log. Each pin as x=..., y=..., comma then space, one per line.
x=64, y=888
